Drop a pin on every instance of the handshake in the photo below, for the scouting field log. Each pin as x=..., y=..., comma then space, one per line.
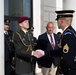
x=38, y=53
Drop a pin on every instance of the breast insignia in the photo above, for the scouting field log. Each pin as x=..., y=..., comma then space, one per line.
x=65, y=48
x=59, y=45
x=75, y=58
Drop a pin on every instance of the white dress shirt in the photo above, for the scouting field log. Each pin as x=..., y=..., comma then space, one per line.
x=52, y=37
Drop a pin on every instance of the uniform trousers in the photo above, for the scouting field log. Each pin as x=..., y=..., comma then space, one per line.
x=7, y=68
x=49, y=71
x=71, y=72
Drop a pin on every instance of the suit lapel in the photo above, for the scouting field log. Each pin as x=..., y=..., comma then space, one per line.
x=49, y=44
x=46, y=37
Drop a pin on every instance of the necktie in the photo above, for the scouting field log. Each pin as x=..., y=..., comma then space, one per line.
x=52, y=43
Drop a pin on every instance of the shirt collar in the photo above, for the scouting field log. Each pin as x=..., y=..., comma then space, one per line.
x=49, y=34
x=25, y=31
x=5, y=31
x=65, y=28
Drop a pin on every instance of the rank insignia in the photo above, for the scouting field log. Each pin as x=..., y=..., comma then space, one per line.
x=65, y=48
x=59, y=45
x=75, y=58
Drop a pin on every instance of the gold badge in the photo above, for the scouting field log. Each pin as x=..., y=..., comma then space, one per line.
x=59, y=45
x=75, y=58
x=65, y=48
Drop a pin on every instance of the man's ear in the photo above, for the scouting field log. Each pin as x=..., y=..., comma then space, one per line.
x=20, y=24
x=62, y=20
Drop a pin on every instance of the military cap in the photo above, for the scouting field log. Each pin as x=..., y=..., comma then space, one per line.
x=6, y=21
x=21, y=19
x=64, y=13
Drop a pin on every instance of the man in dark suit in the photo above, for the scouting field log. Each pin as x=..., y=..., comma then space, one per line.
x=48, y=64
x=23, y=41
x=8, y=47
x=67, y=50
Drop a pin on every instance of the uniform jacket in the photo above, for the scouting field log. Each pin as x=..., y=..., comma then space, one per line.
x=23, y=53
x=44, y=44
x=68, y=48
x=67, y=52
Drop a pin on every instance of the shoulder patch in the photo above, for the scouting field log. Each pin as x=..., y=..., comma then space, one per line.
x=67, y=33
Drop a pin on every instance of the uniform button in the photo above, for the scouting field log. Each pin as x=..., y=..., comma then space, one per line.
x=20, y=60
x=69, y=69
x=61, y=57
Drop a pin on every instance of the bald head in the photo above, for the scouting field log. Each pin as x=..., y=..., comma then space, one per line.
x=50, y=27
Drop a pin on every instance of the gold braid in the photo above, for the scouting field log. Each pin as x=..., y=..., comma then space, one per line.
x=28, y=46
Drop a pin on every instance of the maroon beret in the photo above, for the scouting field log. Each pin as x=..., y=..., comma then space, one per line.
x=22, y=19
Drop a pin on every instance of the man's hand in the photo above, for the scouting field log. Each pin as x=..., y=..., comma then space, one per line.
x=38, y=53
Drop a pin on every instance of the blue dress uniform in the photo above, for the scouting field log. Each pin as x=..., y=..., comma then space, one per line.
x=8, y=49
x=68, y=62
x=67, y=50
x=9, y=52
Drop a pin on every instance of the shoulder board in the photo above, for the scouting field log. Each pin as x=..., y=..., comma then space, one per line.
x=72, y=32
x=67, y=33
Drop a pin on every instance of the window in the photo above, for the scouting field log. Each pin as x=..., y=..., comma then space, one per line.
x=13, y=9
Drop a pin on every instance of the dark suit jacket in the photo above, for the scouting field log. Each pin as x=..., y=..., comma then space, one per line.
x=23, y=54
x=44, y=44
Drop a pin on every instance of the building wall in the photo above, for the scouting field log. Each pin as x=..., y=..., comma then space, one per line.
x=2, y=38
x=43, y=12
x=37, y=17
x=48, y=8
x=59, y=6
x=71, y=5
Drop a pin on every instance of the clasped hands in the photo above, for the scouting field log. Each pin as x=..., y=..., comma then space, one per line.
x=38, y=53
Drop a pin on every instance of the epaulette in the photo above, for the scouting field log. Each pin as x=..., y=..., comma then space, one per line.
x=67, y=33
